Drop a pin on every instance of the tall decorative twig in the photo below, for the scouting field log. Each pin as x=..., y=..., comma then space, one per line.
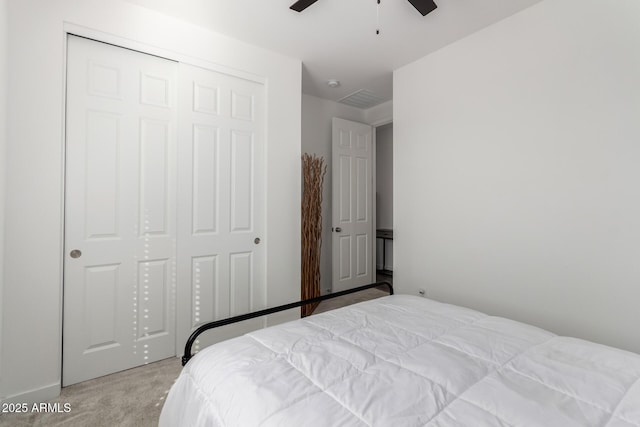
x=313, y=172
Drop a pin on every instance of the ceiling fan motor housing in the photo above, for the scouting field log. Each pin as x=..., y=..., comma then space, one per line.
x=423, y=6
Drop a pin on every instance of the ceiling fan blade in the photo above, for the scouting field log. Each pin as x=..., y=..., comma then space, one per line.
x=423, y=6
x=301, y=5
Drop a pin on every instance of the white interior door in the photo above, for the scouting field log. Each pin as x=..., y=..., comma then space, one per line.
x=120, y=223
x=353, y=236
x=222, y=247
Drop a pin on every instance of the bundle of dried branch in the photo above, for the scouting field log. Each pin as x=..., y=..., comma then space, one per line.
x=313, y=172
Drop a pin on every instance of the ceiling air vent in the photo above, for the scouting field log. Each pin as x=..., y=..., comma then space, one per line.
x=361, y=99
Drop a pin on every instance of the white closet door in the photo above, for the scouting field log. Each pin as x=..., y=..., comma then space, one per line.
x=120, y=219
x=221, y=188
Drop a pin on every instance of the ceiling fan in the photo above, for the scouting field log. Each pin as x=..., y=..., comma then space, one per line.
x=423, y=6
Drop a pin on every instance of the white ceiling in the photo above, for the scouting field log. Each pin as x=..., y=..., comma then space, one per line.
x=336, y=39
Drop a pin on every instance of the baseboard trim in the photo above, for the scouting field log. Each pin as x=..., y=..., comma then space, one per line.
x=37, y=395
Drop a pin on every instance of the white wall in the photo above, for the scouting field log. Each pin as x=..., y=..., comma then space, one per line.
x=516, y=170
x=31, y=339
x=316, y=139
x=4, y=36
x=379, y=115
x=384, y=192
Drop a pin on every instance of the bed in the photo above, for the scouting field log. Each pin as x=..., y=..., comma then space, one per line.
x=406, y=361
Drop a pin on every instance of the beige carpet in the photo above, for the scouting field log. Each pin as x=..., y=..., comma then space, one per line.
x=132, y=398
x=129, y=398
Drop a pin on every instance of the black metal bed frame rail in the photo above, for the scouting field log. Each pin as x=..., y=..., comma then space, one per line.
x=216, y=324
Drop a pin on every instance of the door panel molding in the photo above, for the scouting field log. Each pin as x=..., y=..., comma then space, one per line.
x=222, y=202
x=120, y=198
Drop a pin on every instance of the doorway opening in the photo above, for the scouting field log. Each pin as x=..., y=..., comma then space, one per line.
x=384, y=202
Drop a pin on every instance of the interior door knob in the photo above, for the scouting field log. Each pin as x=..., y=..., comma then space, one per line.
x=76, y=253
x=338, y=229
x=256, y=240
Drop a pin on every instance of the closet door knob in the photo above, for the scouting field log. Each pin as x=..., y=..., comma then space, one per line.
x=338, y=230
x=76, y=253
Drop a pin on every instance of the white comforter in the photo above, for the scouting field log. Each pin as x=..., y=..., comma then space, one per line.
x=406, y=361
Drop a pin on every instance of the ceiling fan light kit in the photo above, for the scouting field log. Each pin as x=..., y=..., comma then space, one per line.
x=422, y=6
